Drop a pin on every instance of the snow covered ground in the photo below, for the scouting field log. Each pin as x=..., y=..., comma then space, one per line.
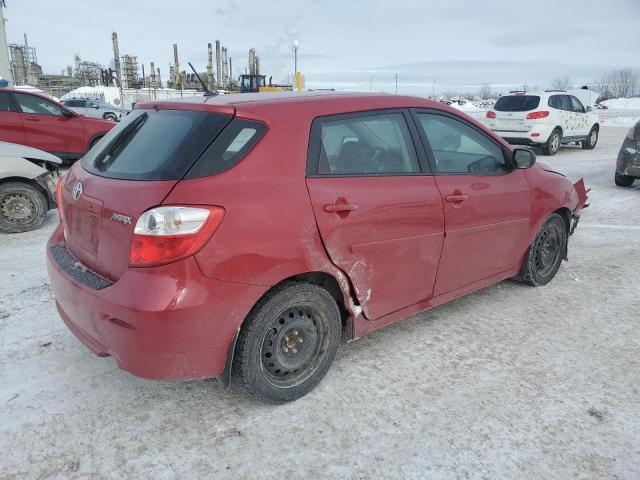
x=509, y=382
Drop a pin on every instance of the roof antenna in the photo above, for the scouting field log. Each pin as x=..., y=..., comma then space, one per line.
x=207, y=92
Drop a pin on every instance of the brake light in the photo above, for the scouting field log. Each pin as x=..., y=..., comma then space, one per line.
x=59, y=196
x=491, y=114
x=537, y=115
x=166, y=234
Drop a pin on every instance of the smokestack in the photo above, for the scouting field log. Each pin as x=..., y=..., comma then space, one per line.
x=252, y=61
x=210, y=67
x=152, y=76
x=257, y=65
x=159, y=79
x=116, y=59
x=218, y=65
x=230, y=72
x=177, y=81
x=225, y=67
x=27, y=60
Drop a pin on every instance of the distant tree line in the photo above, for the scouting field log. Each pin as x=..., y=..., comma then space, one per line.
x=623, y=83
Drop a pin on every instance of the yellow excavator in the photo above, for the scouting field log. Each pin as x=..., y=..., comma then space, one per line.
x=258, y=83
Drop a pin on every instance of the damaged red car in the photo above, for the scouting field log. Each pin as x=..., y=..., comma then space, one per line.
x=243, y=237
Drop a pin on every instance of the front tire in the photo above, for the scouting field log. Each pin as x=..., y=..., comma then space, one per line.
x=623, y=180
x=592, y=139
x=546, y=253
x=553, y=143
x=23, y=207
x=110, y=116
x=288, y=343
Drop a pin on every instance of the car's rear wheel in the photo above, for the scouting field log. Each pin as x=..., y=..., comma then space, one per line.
x=623, y=180
x=546, y=253
x=23, y=207
x=592, y=139
x=553, y=143
x=288, y=342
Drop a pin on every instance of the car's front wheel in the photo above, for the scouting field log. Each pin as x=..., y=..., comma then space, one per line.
x=553, y=143
x=592, y=139
x=110, y=116
x=546, y=253
x=287, y=343
x=23, y=207
x=623, y=180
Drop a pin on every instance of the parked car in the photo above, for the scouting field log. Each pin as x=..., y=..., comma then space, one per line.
x=545, y=119
x=94, y=108
x=28, y=180
x=30, y=119
x=309, y=218
x=628, y=164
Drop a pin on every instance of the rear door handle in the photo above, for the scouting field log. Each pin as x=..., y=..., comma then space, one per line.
x=32, y=119
x=340, y=207
x=456, y=198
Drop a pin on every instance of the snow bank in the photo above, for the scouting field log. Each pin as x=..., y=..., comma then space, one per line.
x=623, y=103
x=467, y=107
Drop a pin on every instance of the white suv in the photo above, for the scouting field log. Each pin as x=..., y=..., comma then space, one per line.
x=545, y=119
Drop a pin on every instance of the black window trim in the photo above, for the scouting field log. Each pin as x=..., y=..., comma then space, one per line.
x=315, y=134
x=506, y=153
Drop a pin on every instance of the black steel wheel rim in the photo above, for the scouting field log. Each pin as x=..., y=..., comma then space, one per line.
x=17, y=208
x=547, y=250
x=294, y=345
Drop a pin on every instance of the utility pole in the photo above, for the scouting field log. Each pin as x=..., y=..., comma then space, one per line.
x=433, y=92
x=396, y=83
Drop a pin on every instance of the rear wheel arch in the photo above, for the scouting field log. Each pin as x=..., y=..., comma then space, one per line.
x=322, y=279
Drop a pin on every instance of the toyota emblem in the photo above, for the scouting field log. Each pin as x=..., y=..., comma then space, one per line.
x=77, y=191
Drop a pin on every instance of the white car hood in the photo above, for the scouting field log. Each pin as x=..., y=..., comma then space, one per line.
x=15, y=150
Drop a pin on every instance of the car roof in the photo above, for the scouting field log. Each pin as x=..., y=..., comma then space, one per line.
x=314, y=102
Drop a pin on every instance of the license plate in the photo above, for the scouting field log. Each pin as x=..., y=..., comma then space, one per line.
x=86, y=230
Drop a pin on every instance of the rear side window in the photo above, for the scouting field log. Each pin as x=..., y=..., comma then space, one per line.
x=5, y=103
x=517, y=103
x=154, y=145
x=367, y=145
x=565, y=103
x=74, y=103
x=229, y=148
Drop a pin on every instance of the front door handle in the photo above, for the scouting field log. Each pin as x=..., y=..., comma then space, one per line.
x=456, y=198
x=29, y=119
x=340, y=207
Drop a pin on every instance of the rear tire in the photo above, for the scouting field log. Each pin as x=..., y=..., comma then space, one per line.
x=287, y=343
x=591, y=140
x=546, y=253
x=623, y=180
x=23, y=207
x=553, y=143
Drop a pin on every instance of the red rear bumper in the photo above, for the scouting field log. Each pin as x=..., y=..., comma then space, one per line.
x=167, y=322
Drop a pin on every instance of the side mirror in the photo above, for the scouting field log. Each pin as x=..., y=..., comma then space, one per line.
x=69, y=114
x=589, y=108
x=97, y=107
x=523, y=158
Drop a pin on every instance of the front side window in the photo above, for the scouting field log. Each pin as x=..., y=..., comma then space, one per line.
x=367, y=145
x=576, y=104
x=459, y=148
x=37, y=105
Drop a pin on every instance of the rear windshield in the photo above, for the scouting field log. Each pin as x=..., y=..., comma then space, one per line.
x=517, y=103
x=154, y=144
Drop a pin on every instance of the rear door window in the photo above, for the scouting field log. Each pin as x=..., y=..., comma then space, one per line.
x=517, y=103
x=37, y=105
x=367, y=145
x=565, y=103
x=154, y=145
x=6, y=105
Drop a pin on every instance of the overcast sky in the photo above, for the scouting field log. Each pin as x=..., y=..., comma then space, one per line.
x=349, y=44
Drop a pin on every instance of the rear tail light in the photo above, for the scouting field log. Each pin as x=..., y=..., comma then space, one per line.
x=166, y=234
x=59, y=196
x=491, y=114
x=537, y=115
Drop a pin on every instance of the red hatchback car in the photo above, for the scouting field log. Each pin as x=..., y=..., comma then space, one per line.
x=242, y=237
x=30, y=119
